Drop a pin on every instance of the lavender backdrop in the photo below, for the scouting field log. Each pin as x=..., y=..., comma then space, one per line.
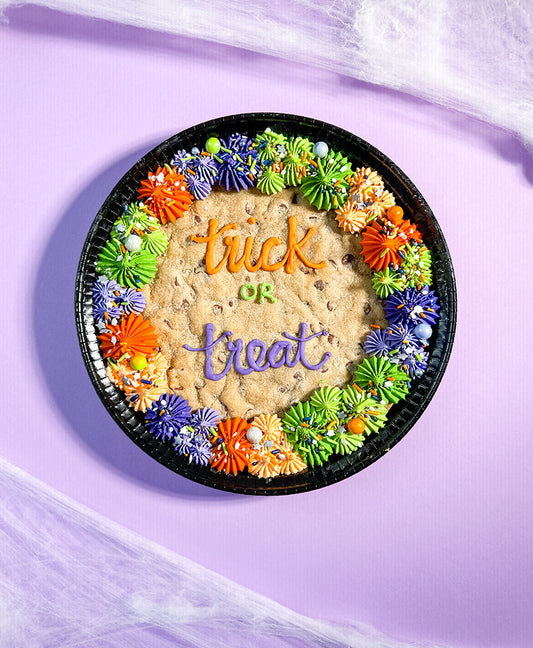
x=433, y=542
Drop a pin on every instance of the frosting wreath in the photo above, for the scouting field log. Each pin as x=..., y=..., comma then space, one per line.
x=250, y=217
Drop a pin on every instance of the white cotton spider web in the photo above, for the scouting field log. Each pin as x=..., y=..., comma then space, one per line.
x=69, y=578
x=475, y=56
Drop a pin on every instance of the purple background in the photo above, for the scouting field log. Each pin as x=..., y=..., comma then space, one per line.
x=432, y=542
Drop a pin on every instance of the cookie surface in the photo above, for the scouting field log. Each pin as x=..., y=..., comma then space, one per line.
x=183, y=297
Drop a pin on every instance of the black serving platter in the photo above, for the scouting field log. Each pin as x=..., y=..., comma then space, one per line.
x=401, y=417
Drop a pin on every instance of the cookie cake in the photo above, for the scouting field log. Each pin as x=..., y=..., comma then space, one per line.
x=262, y=304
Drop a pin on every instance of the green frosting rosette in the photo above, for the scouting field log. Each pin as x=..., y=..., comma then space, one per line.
x=327, y=401
x=358, y=403
x=382, y=378
x=417, y=265
x=306, y=430
x=345, y=442
x=134, y=218
x=129, y=269
x=327, y=187
x=296, y=162
x=270, y=181
x=270, y=146
x=385, y=282
x=155, y=242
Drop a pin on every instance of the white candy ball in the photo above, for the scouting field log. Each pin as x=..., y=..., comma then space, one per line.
x=254, y=434
x=320, y=149
x=133, y=243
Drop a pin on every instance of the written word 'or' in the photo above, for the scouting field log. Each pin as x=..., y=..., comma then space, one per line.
x=233, y=244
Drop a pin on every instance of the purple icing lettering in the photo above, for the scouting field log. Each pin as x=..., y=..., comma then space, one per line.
x=236, y=348
x=269, y=358
x=300, y=355
x=285, y=348
x=209, y=344
x=250, y=355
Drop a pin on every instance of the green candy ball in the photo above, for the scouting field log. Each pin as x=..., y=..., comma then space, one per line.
x=213, y=145
x=138, y=362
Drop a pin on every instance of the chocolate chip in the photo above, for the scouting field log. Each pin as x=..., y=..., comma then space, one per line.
x=197, y=219
x=185, y=303
x=217, y=309
x=297, y=376
x=319, y=284
x=303, y=269
x=367, y=308
x=331, y=338
x=282, y=389
x=231, y=303
x=347, y=258
x=330, y=306
x=168, y=324
x=249, y=208
x=176, y=282
x=324, y=370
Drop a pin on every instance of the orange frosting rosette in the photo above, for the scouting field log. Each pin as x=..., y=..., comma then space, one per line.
x=231, y=448
x=264, y=459
x=143, y=396
x=407, y=231
x=270, y=426
x=132, y=335
x=122, y=374
x=290, y=461
x=380, y=250
x=165, y=194
x=144, y=387
x=275, y=455
x=364, y=181
x=264, y=465
x=350, y=217
x=379, y=203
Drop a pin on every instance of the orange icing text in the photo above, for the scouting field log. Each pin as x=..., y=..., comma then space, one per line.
x=232, y=243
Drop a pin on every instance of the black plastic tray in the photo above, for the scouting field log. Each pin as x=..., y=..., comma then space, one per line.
x=401, y=416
